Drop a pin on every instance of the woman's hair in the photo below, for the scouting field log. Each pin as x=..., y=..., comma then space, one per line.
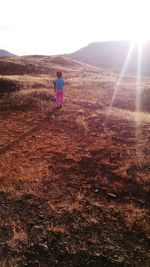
x=59, y=74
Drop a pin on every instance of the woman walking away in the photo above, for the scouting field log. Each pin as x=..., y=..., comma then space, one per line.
x=59, y=89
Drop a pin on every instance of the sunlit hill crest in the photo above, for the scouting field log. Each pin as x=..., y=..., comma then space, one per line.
x=113, y=55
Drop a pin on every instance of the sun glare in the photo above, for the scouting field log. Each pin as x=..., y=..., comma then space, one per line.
x=138, y=99
x=121, y=77
x=138, y=44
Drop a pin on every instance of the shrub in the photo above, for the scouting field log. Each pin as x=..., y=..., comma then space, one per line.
x=8, y=86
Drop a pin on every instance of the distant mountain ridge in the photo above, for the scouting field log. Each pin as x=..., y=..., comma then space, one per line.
x=113, y=55
x=4, y=53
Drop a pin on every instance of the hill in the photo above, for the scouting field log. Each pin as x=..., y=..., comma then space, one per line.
x=74, y=182
x=112, y=55
x=38, y=65
x=4, y=53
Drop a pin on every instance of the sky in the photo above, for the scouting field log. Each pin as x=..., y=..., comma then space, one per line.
x=51, y=27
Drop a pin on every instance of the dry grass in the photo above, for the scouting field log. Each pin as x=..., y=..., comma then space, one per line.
x=72, y=180
x=27, y=99
x=82, y=124
x=134, y=215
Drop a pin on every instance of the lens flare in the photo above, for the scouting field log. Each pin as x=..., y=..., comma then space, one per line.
x=138, y=79
x=120, y=77
x=138, y=99
x=138, y=130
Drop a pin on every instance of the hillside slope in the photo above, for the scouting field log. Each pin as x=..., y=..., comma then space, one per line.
x=74, y=182
x=113, y=55
x=39, y=65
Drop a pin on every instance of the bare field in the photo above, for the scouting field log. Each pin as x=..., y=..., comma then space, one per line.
x=74, y=182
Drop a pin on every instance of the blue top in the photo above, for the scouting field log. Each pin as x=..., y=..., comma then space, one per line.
x=59, y=83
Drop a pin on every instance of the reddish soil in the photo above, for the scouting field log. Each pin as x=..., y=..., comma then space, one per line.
x=73, y=191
